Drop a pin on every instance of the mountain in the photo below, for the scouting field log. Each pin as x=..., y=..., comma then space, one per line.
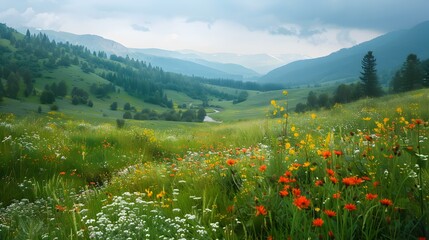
x=390, y=51
x=177, y=62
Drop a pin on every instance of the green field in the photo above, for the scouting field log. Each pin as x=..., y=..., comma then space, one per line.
x=357, y=171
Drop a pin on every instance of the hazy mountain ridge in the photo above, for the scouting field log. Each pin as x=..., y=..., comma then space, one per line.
x=178, y=62
x=390, y=50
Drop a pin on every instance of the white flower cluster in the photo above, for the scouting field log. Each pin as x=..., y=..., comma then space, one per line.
x=131, y=217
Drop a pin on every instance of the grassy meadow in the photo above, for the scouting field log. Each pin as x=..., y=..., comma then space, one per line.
x=357, y=171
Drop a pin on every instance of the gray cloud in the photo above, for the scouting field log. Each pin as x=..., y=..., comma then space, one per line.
x=302, y=33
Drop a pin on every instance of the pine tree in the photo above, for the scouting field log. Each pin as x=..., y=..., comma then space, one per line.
x=370, y=84
x=12, y=85
x=410, y=76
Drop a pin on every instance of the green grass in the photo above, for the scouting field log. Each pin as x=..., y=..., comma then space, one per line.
x=77, y=178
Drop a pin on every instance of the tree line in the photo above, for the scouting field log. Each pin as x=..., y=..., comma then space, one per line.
x=414, y=74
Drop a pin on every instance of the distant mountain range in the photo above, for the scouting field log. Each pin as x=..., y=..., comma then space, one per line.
x=187, y=62
x=390, y=51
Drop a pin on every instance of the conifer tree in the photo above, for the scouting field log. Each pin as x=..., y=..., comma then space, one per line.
x=370, y=84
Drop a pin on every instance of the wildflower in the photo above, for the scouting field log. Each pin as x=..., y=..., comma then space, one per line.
x=260, y=210
x=368, y=138
x=313, y=116
x=331, y=234
x=336, y=195
x=370, y=196
x=326, y=154
x=318, y=222
x=230, y=208
x=148, y=192
x=161, y=194
x=350, y=207
x=330, y=172
x=330, y=213
x=301, y=202
x=376, y=183
x=296, y=192
x=262, y=168
x=60, y=208
x=366, y=118
x=418, y=121
x=352, y=181
x=283, y=193
x=386, y=202
x=319, y=182
x=231, y=162
x=338, y=153
x=62, y=173
x=334, y=180
x=285, y=92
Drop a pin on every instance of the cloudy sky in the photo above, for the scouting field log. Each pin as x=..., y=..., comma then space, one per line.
x=309, y=28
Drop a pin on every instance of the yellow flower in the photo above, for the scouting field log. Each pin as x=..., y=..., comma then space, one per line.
x=296, y=134
x=306, y=164
x=148, y=192
x=273, y=102
x=291, y=151
x=285, y=92
x=287, y=146
x=366, y=118
x=399, y=110
x=292, y=128
x=313, y=116
x=385, y=120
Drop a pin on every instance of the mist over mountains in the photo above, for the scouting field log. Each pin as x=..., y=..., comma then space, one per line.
x=390, y=50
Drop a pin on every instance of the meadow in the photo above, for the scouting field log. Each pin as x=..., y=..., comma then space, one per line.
x=357, y=171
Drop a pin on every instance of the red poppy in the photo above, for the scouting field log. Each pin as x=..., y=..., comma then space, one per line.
x=301, y=202
x=262, y=168
x=350, y=207
x=318, y=222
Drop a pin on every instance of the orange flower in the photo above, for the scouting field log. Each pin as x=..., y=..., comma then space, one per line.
x=301, y=202
x=231, y=162
x=338, y=152
x=262, y=168
x=319, y=182
x=60, y=208
x=283, y=179
x=368, y=138
x=62, y=173
x=296, y=192
x=352, y=181
x=330, y=213
x=331, y=234
x=418, y=121
x=260, y=210
x=326, y=154
x=330, y=172
x=230, y=208
x=370, y=196
x=334, y=180
x=336, y=195
x=386, y=202
x=318, y=222
x=350, y=207
x=283, y=193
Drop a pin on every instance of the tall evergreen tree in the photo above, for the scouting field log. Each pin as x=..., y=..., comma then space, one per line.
x=370, y=84
x=410, y=76
x=1, y=90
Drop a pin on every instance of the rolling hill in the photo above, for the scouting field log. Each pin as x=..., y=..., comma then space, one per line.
x=390, y=51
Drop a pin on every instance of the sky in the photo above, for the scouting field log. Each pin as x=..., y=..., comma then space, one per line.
x=310, y=28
